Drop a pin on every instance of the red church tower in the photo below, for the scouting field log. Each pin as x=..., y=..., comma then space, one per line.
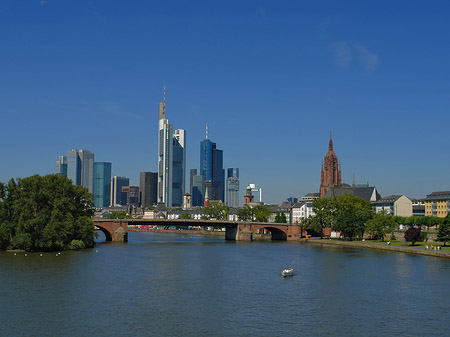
x=331, y=171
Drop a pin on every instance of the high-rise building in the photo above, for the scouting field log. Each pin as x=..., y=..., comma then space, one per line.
x=211, y=167
x=116, y=190
x=61, y=166
x=171, y=160
x=233, y=187
x=192, y=173
x=331, y=171
x=130, y=196
x=102, y=184
x=198, y=190
x=148, y=188
x=80, y=168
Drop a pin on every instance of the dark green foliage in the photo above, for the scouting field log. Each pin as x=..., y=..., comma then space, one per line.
x=443, y=233
x=186, y=216
x=380, y=225
x=45, y=213
x=280, y=217
x=119, y=215
x=216, y=210
x=258, y=213
x=346, y=214
x=412, y=234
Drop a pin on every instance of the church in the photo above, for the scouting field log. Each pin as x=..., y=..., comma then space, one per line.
x=331, y=171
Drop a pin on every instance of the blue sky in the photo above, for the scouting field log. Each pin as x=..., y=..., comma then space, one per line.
x=271, y=78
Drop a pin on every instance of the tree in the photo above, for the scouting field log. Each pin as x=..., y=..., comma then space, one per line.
x=412, y=234
x=323, y=209
x=186, y=216
x=381, y=224
x=216, y=210
x=257, y=213
x=280, y=217
x=118, y=215
x=45, y=213
x=350, y=216
x=443, y=233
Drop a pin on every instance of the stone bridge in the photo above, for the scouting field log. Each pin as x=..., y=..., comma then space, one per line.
x=117, y=230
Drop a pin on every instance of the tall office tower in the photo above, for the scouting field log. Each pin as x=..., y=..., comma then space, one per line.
x=130, y=196
x=198, y=190
x=192, y=173
x=80, y=168
x=61, y=166
x=102, y=184
x=148, y=188
x=116, y=190
x=211, y=167
x=233, y=187
x=171, y=160
x=179, y=167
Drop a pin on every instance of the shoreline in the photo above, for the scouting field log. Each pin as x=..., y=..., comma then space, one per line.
x=380, y=246
x=351, y=244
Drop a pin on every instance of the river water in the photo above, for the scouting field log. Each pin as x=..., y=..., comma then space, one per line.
x=162, y=284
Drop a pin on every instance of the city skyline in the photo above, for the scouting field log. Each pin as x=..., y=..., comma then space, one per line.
x=271, y=81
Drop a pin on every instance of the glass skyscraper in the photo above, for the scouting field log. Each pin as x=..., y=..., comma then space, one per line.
x=171, y=160
x=61, y=166
x=102, y=184
x=211, y=168
x=233, y=187
x=80, y=168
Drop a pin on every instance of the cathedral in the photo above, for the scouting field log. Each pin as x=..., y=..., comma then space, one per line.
x=331, y=171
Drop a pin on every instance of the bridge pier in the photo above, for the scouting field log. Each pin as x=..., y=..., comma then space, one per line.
x=114, y=230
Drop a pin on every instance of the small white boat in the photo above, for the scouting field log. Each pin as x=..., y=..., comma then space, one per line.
x=287, y=272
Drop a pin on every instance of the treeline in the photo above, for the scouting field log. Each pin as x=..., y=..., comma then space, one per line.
x=353, y=217
x=44, y=214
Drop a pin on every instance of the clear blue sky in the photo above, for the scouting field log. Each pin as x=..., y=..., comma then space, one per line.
x=271, y=78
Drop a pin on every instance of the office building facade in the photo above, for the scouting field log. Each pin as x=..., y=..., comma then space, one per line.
x=102, y=184
x=80, y=168
x=233, y=187
x=116, y=191
x=148, y=186
x=61, y=166
x=171, y=160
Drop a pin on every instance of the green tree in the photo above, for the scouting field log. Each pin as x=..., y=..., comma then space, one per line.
x=412, y=234
x=280, y=217
x=258, y=213
x=443, y=233
x=45, y=213
x=119, y=215
x=323, y=209
x=216, y=210
x=350, y=216
x=186, y=216
x=381, y=224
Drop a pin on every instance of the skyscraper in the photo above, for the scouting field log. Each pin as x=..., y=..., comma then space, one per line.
x=116, y=190
x=233, y=187
x=148, y=188
x=171, y=160
x=80, y=168
x=61, y=166
x=211, y=167
x=102, y=184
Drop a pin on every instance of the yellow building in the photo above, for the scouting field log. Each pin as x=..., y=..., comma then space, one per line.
x=437, y=204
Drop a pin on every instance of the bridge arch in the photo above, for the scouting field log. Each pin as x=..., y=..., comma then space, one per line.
x=107, y=233
x=277, y=233
x=114, y=230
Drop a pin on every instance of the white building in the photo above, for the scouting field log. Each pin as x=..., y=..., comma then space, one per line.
x=300, y=211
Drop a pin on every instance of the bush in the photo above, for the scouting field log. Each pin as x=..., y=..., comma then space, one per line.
x=393, y=237
x=423, y=236
x=76, y=244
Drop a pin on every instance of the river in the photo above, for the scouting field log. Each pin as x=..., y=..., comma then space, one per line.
x=161, y=284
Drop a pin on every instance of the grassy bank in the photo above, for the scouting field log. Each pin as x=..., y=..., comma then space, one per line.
x=395, y=246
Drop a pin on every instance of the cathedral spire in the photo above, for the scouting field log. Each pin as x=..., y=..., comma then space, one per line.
x=330, y=145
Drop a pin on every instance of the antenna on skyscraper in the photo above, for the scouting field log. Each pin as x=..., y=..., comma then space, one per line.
x=164, y=102
x=206, y=130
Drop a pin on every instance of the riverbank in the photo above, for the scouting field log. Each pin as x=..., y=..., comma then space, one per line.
x=353, y=244
x=380, y=245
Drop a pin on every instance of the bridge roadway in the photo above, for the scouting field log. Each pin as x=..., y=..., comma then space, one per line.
x=117, y=229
